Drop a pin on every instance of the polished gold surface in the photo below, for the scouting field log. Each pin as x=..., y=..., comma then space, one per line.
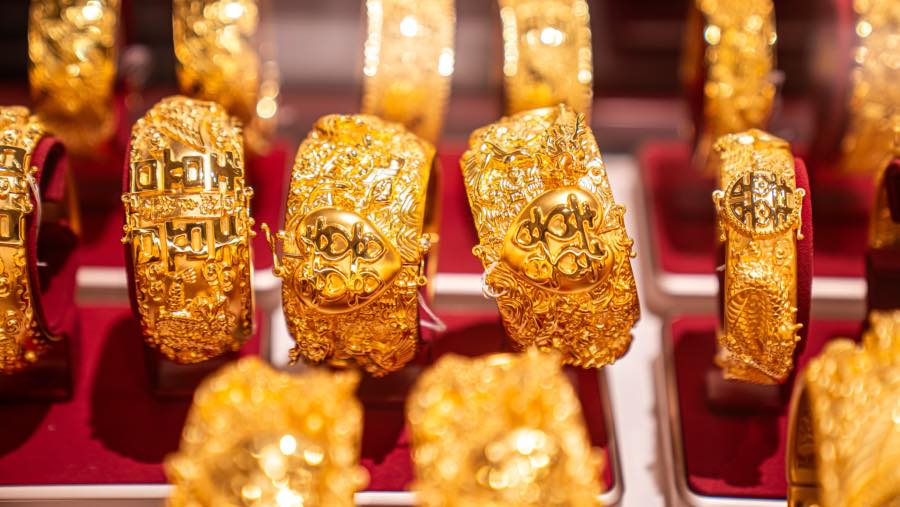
x=409, y=62
x=72, y=51
x=844, y=428
x=354, y=243
x=501, y=430
x=188, y=230
x=547, y=54
x=552, y=239
x=758, y=206
x=222, y=56
x=257, y=437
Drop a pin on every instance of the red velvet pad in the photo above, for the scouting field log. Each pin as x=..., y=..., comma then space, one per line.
x=457, y=230
x=883, y=264
x=733, y=454
x=682, y=217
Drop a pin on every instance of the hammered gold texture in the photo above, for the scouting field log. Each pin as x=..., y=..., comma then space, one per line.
x=552, y=239
x=501, y=430
x=758, y=208
x=257, y=437
x=849, y=399
x=547, y=54
x=188, y=229
x=353, y=245
x=72, y=51
x=409, y=61
x=875, y=97
x=21, y=339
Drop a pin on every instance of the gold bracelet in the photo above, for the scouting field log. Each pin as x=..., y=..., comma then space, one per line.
x=504, y=429
x=733, y=64
x=188, y=229
x=256, y=436
x=409, y=62
x=355, y=243
x=72, y=50
x=547, y=54
x=219, y=54
x=552, y=239
x=875, y=97
x=758, y=206
x=843, y=449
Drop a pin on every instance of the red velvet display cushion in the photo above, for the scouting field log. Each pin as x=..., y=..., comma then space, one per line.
x=682, y=217
x=733, y=454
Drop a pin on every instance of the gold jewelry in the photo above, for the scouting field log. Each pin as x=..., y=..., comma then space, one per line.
x=875, y=96
x=733, y=65
x=72, y=49
x=353, y=245
x=552, y=239
x=504, y=429
x=256, y=436
x=758, y=206
x=547, y=54
x=408, y=63
x=220, y=57
x=843, y=446
x=188, y=229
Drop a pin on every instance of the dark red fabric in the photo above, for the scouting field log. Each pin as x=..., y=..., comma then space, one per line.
x=892, y=185
x=733, y=454
x=883, y=279
x=458, y=234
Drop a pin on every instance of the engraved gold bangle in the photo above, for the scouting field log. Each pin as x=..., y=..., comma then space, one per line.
x=188, y=229
x=256, y=436
x=355, y=243
x=409, y=62
x=758, y=206
x=72, y=52
x=223, y=55
x=504, y=429
x=732, y=63
x=843, y=447
x=552, y=239
x=547, y=54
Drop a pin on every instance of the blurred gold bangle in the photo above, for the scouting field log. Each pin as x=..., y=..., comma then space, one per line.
x=355, y=243
x=72, y=52
x=223, y=55
x=758, y=206
x=552, y=238
x=188, y=229
x=409, y=62
x=547, y=57
x=843, y=449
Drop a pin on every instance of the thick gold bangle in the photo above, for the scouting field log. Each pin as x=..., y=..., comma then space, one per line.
x=354, y=243
x=409, y=62
x=188, y=229
x=552, y=239
x=547, y=54
x=843, y=447
x=72, y=50
x=504, y=429
x=733, y=64
x=758, y=206
x=219, y=54
x=256, y=436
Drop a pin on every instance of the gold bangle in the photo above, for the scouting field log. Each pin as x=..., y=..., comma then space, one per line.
x=354, y=244
x=256, y=436
x=874, y=100
x=733, y=65
x=512, y=429
x=72, y=50
x=188, y=229
x=552, y=239
x=408, y=63
x=547, y=54
x=220, y=57
x=758, y=206
x=843, y=449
